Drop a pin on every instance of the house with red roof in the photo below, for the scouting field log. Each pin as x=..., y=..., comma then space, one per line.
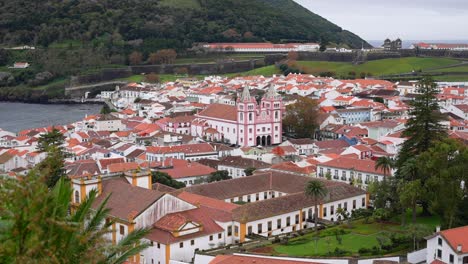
x=347, y=169
x=448, y=246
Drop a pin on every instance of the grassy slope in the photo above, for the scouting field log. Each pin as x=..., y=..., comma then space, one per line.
x=378, y=67
x=453, y=69
x=359, y=236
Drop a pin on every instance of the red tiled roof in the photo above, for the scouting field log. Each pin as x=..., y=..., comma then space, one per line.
x=204, y=216
x=207, y=201
x=220, y=111
x=106, y=162
x=231, y=259
x=457, y=236
x=353, y=164
x=122, y=167
x=191, y=169
x=187, y=149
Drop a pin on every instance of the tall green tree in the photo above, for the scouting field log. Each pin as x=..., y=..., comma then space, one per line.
x=446, y=167
x=52, y=166
x=166, y=179
x=316, y=190
x=423, y=129
x=37, y=226
x=386, y=164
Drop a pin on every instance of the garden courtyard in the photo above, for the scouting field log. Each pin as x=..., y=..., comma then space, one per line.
x=357, y=238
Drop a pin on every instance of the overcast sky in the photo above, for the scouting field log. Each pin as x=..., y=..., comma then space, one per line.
x=407, y=19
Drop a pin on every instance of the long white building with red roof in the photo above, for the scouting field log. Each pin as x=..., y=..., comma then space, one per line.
x=261, y=47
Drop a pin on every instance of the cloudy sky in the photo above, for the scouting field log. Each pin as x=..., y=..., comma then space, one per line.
x=407, y=19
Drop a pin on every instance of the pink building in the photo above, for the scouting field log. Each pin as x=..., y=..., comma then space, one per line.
x=246, y=124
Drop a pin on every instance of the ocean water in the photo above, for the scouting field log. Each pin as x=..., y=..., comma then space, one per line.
x=15, y=117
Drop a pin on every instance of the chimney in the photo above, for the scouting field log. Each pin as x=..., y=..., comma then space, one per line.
x=437, y=229
x=459, y=248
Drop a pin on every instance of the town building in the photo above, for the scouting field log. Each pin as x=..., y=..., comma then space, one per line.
x=261, y=47
x=246, y=124
x=448, y=246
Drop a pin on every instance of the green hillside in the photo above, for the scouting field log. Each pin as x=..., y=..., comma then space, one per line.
x=160, y=24
x=377, y=67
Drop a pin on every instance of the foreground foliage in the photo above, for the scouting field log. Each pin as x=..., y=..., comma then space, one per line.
x=37, y=226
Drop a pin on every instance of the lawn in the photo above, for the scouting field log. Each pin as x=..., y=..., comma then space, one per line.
x=453, y=69
x=377, y=67
x=265, y=71
x=359, y=235
x=451, y=78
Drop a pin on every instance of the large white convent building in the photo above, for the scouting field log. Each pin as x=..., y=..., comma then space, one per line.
x=245, y=124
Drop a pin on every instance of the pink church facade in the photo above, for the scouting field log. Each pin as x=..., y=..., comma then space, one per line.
x=245, y=124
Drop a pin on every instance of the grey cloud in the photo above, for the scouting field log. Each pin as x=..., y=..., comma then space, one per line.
x=378, y=19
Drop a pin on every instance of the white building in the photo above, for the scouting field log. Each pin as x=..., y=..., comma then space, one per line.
x=448, y=246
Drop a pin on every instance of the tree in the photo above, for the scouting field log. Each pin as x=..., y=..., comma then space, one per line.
x=418, y=232
x=135, y=58
x=341, y=213
x=219, y=176
x=166, y=179
x=293, y=55
x=105, y=110
x=316, y=190
x=4, y=56
x=424, y=128
x=152, y=78
x=52, y=166
x=410, y=192
x=445, y=166
x=249, y=171
x=36, y=225
x=301, y=118
x=386, y=164
x=163, y=56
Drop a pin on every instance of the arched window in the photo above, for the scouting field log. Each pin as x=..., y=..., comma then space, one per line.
x=77, y=196
x=276, y=114
x=250, y=117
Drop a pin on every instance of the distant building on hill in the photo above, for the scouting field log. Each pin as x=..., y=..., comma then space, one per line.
x=261, y=47
x=439, y=46
x=392, y=44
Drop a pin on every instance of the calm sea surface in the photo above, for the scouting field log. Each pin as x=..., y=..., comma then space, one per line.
x=18, y=116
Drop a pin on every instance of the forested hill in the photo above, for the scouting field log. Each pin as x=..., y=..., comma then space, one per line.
x=163, y=23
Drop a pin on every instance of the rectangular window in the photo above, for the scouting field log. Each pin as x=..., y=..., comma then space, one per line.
x=259, y=228
x=159, y=245
x=229, y=231
x=181, y=244
x=269, y=226
x=265, y=195
x=257, y=197
x=332, y=210
x=324, y=211
x=192, y=242
x=297, y=219
x=248, y=198
x=236, y=230
x=354, y=204
x=439, y=241
x=451, y=259
x=211, y=238
x=345, y=206
x=278, y=223
x=363, y=202
x=220, y=235
x=439, y=253
x=288, y=221
x=122, y=230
